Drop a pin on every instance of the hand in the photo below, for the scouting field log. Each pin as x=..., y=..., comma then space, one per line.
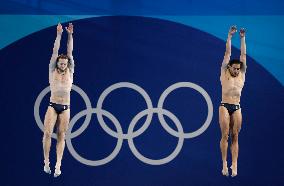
x=242, y=32
x=233, y=30
x=69, y=29
x=59, y=28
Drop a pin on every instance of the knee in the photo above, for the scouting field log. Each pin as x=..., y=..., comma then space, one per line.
x=235, y=136
x=61, y=135
x=47, y=135
x=225, y=136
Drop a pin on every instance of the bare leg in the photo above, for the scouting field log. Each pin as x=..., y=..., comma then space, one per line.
x=237, y=121
x=49, y=122
x=224, y=120
x=61, y=132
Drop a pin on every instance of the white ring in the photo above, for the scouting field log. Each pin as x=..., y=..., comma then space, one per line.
x=198, y=89
x=167, y=159
x=124, y=85
x=109, y=157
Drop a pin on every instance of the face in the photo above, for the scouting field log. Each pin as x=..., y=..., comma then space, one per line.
x=62, y=64
x=235, y=69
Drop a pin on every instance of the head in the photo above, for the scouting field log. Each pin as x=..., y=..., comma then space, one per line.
x=62, y=62
x=234, y=67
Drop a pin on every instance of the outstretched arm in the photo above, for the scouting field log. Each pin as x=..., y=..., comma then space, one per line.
x=232, y=31
x=243, y=57
x=69, y=30
x=56, y=47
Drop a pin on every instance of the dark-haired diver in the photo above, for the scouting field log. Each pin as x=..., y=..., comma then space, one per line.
x=230, y=116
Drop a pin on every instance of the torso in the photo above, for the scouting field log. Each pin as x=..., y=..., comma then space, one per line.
x=60, y=86
x=231, y=87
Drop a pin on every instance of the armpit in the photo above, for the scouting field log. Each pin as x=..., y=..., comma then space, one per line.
x=244, y=68
x=52, y=66
x=72, y=65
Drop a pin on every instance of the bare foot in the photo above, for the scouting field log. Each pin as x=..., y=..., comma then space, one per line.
x=225, y=170
x=46, y=169
x=57, y=173
x=234, y=170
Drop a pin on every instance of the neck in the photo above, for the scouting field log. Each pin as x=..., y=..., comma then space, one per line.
x=60, y=71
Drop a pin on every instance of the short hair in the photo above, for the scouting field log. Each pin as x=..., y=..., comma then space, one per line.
x=63, y=56
x=236, y=61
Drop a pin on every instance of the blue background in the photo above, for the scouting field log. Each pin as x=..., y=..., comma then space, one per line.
x=154, y=45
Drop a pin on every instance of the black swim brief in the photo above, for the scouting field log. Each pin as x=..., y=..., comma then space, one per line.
x=58, y=107
x=231, y=107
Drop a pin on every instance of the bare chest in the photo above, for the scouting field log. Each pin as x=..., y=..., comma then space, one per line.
x=230, y=83
x=61, y=79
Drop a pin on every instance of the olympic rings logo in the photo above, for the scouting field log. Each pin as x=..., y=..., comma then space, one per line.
x=131, y=134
